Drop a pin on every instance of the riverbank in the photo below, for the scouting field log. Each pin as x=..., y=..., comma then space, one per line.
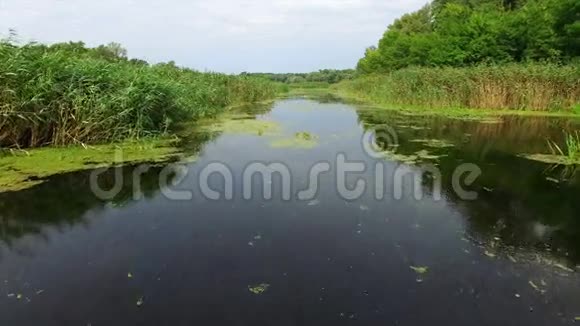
x=67, y=93
x=513, y=249
x=535, y=90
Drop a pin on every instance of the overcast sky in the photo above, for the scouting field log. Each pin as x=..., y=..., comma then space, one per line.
x=219, y=35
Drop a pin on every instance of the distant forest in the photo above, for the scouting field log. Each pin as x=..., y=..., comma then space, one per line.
x=330, y=76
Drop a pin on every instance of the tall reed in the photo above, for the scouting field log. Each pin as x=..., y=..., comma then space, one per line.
x=572, y=151
x=54, y=96
x=514, y=86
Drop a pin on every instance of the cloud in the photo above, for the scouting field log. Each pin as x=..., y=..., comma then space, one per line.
x=221, y=35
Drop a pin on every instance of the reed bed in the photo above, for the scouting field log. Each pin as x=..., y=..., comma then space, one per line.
x=543, y=87
x=60, y=96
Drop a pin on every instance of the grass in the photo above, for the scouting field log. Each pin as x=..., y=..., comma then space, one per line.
x=572, y=152
x=570, y=156
x=541, y=89
x=69, y=94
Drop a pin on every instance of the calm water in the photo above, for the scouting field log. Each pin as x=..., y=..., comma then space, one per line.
x=507, y=258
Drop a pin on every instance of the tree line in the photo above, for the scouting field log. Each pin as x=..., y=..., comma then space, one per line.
x=461, y=33
x=331, y=76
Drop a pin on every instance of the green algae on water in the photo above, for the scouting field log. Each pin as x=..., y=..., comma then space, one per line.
x=426, y=155
x=21, y=169
x=258, y=289
x=435, y=143
x=420, y=270
x=401, y=158
x=301, y=140
x=231, y=125
x=411, y=159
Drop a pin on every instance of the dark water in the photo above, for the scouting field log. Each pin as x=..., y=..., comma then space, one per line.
x=507, y=258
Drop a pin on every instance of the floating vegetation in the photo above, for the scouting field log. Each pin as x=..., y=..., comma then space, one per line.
x=259, y=289
x=301, y=140
x=231, y=125
x=402, y=158
x=24, y=169
x=548, y=159
x=564, y=268
x=420, y=270
x=413, y=127
x=489, y=254
x=411, y=159
x=314, y=202
x=424, y=154
x=536, y=287
x=483, y=120
x=435, y=143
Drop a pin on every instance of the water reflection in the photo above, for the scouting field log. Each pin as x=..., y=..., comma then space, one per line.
x=64, y=201
x=326, y=262
x=527, y=205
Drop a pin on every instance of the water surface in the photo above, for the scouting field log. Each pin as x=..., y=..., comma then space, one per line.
x=507, y=258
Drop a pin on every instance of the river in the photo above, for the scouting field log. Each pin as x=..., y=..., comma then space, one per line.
x=414, y=256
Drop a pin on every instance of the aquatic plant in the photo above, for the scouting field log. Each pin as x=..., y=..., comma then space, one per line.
x=68, y=93
x=300, y=140
x=21, y=169
x=259, y=288
x=572, y=152
x=541, y=87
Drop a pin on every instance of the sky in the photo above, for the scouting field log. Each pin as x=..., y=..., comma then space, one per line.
x=228, y=36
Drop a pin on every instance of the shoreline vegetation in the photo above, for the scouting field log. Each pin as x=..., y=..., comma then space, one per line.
x=22, y=169
x=453, y=56
x=469, y=59
x=67, y=93
x=515, y=89
x=517, y=55
x=66, y=107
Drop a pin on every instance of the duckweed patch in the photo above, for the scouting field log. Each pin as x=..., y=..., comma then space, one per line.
x=412, y=159
x=23, y=169
x=259, y=289
x=435, y=143
x=420, y=270
x=402, y=158
x=426, y=155
x=233, y=125
x=301, y=140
